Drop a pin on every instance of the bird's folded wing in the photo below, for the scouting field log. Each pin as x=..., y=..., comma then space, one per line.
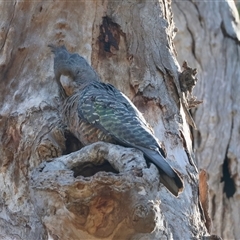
x=108, y=109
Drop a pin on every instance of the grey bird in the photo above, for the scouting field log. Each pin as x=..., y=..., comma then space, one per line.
x=96, y=111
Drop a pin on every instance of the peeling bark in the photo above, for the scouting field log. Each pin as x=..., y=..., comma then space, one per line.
x=49, y=190
x=208, y=38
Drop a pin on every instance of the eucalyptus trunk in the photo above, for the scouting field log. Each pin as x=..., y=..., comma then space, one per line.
x=46, y=191
x=208, y=38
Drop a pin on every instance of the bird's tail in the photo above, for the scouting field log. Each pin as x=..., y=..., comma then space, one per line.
x=168, y=176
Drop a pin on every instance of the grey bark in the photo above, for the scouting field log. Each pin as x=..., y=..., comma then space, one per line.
x=40, y=196
x=208, y=38
x=102, y=205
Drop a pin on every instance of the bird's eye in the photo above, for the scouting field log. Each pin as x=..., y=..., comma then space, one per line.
x=77, y=72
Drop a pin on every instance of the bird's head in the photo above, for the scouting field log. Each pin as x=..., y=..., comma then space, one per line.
x=77, y=70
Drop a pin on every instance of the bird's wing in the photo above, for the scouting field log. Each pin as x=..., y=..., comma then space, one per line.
x=112, y=112
x=108, y=109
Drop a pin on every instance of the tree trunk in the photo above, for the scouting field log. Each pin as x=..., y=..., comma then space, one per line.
x=47, y=189
x=208, y=38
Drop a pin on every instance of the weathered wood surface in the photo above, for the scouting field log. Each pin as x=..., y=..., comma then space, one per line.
x=208, y=39
x=140, y=61
x=106, y=204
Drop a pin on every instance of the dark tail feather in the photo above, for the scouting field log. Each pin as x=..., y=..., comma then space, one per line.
x=174, y=185
x=169, y=177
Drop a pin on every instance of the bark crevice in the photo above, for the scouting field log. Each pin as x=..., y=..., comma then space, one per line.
x=229, y=187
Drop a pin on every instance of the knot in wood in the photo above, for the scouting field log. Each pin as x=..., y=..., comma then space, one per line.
x=188, y=78
x=144, y=218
